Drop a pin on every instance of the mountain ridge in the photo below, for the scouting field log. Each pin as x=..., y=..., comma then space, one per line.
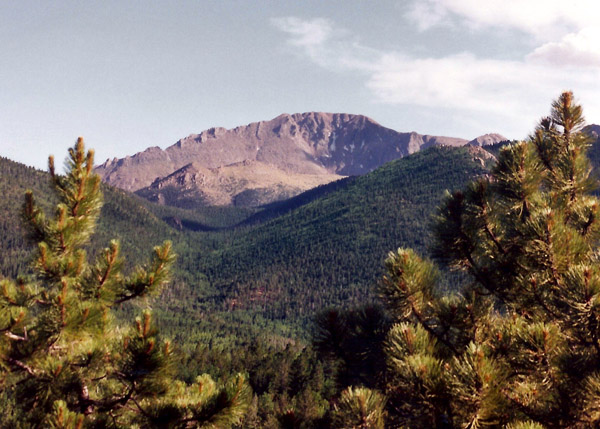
x=326, y=146
x=247, y=183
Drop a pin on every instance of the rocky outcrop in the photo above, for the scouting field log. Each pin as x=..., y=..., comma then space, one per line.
x=487, y=139
x=300, y=150
x=593, y=130
x=244, y=184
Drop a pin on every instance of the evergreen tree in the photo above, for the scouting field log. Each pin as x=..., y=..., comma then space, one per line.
x=519, y=346
x=64, y=363
x=359, y=408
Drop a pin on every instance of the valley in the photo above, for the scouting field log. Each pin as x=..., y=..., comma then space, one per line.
x=255, y=286
x=270, y=266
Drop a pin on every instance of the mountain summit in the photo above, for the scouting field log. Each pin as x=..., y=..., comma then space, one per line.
x=306, y=149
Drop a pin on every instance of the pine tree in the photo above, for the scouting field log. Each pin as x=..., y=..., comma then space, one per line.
x=64, y=362
x=359, y=408
x=519, y=345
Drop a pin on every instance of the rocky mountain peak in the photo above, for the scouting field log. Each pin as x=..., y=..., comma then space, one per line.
x=311, y=144
x=487, y=139
x=593, y=130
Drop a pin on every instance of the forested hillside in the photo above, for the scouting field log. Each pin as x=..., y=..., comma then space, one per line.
x=331, y=250
x=249, y=282
x=275, y=266
x=123, y=215
x=281, y=263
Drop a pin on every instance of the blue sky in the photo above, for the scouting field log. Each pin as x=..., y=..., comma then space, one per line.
x=129, y=75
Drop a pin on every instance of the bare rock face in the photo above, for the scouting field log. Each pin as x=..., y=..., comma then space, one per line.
x=487, y=139
x=481, y=155
x=283, y=157
x=244, y=184
x=593, y=130
x=132, y=172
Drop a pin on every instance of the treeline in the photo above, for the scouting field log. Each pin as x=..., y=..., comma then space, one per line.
x=253, y=289
x=279, y=263
x=320, y=249
x=331, y=250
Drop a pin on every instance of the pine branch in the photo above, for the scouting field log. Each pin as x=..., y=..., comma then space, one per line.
x=432, y=331
x=17, y=337
x=21, y=366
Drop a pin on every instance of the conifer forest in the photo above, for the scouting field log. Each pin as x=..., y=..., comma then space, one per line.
x=455, y=287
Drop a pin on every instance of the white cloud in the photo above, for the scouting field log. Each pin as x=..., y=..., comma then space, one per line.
x=519, y=92
x=326, y=45
x=580, y=49
x=311, y=36
x=543, y=19
x=427, y=14
x=516, y=90
x=306, y=33
x=457, y=82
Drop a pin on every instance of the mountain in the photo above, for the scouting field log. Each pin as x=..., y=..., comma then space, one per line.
x=282, y=262
x=278, y=264
x=123, y=215
x=242, y=184
x=594, y=151
x=305, y=149
x=487, y=139
x=138, y=225
x=593, y=130
x=329, y=249
x=323, y=247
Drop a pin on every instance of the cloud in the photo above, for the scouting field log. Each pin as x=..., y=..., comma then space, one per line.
x=580, y=49
x=465, y=83
x=458, y=82
x=311, y=36
x=306, y=33
x=543, y=19
x=326, y=45
x=428, y=14
x=513, y=89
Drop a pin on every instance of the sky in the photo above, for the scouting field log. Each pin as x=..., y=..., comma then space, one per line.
x=128, y=75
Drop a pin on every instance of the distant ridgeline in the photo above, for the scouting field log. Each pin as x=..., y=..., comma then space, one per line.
x=241, y=270
x=267, y=161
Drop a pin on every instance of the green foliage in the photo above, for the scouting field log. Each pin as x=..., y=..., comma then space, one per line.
x=121, y=214
x=272, y=273
x=249, y=281
x=352, y=341
x=359, y=408
x=525, y=425
x=518, y=345
x=64, y=363
x=63, y=418
x=292, y=387
x=330, y=250
x=267, y=277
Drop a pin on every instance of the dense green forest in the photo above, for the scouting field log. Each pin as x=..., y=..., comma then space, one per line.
x=249, y=283
x=331, y=250
x=517, y=344
x=66, y=361
x=275, y=266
